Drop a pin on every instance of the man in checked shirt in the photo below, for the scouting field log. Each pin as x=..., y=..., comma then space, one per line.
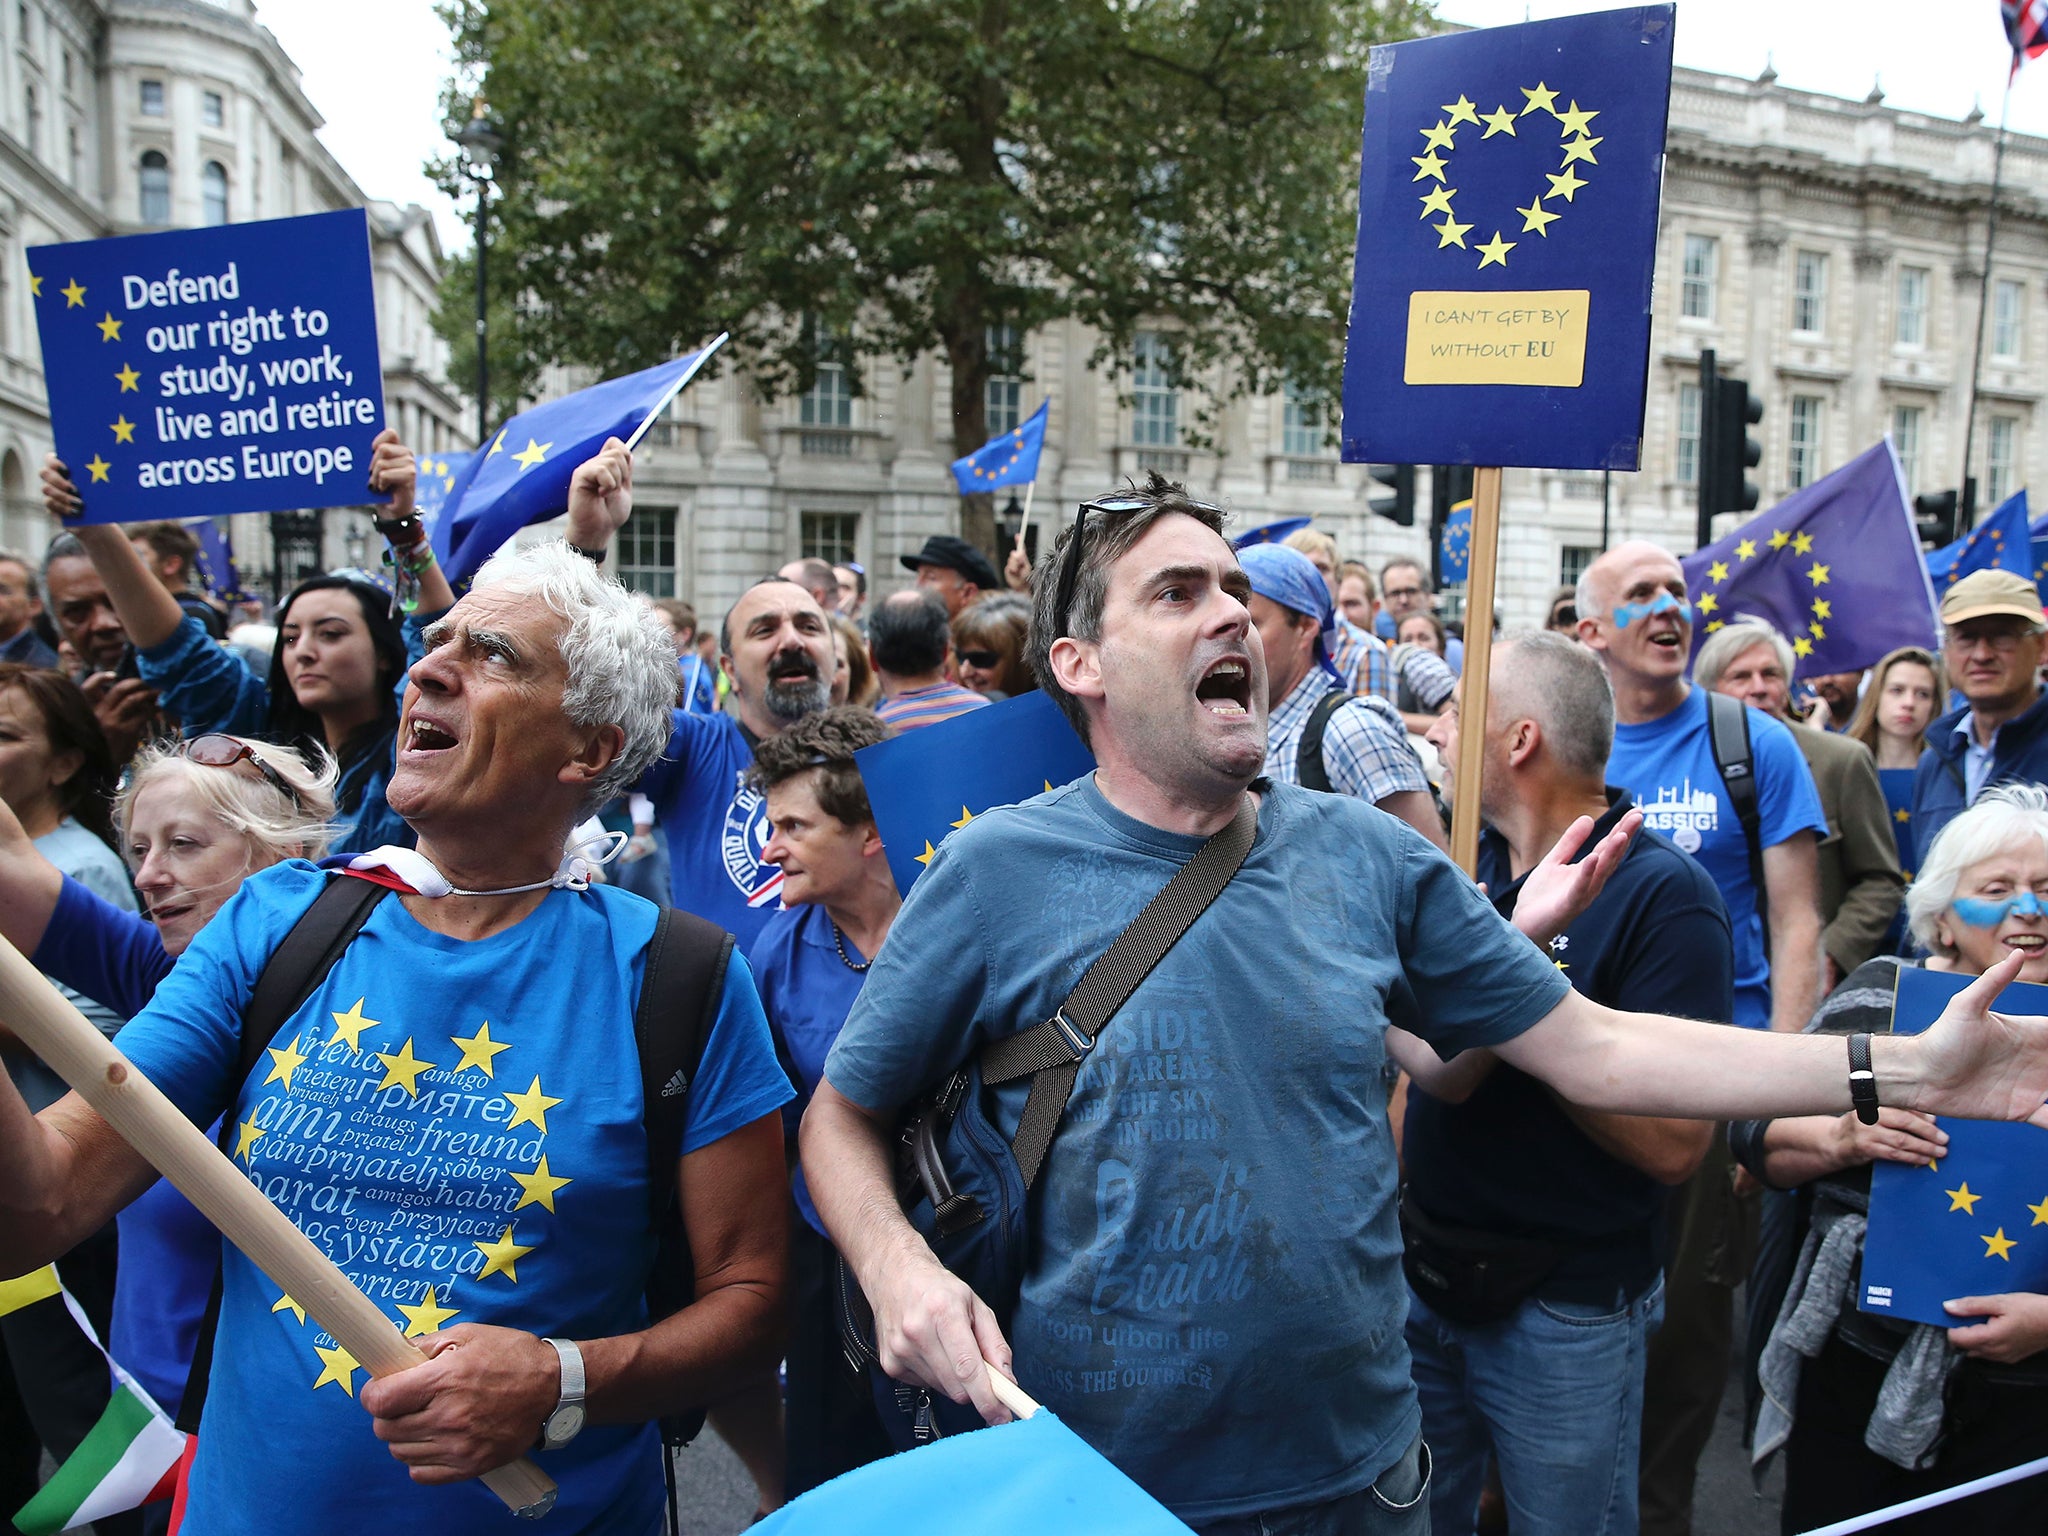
x=1364, y=748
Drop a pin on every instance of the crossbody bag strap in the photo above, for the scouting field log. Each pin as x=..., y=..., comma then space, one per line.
x=1051, y=1053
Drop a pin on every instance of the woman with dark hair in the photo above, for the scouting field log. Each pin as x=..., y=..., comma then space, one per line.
x=988, y=642
x=336, y=672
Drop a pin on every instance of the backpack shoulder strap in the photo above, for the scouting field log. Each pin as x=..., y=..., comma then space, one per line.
x=1309, y=770
x=1728, y=728
x=685, y=977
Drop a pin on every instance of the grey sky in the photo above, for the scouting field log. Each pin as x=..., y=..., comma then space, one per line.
x=375, y=68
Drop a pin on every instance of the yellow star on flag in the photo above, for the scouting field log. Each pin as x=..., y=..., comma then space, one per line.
x=479, y=1049
x=1902, y=816
x=1537, y=217
x=1461, y=111
x=533, y=1107
x=99, y=468
x=1581, y=149
x=965, y=817
x=1495, y=252
x=1708, y=603
x=533, y=453
x=128, y=378
x=1802, y=647
x=1427, y=166
x=1442, y=136
x=124, y=429
x=35, y=285
x=1780, y=539
x=1542, y=99
x=74, y=294
x=1438, y=200
x=1823, y=609
x=286, y=1304
x=538, y=1187
x=1575, y=121
x=1450, y=232
x=502, y=1257
x=339, y=1367
x=1564, y=184
x=1961, y=1199
x=1717, y=624
x=1499, y=120
x=246, y=1133
x=426, y=1315
x=350, y=1026
x=402, y=1069
x=1718, y=571
x=2040, y=1213
x=1998, y=1246
x=283, y=1063
x=1745, y=550
x=110, y=328
x=928, y=854
x=497, y=445
x=1816, y=631
x=1802, y=543
x=1818, y=574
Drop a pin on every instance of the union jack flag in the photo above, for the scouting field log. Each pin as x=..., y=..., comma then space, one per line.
x=2026, y=28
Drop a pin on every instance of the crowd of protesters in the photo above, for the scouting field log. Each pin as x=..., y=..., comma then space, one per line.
x=1431, y=1142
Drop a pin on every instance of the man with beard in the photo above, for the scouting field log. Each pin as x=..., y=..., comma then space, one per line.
x=776, y=647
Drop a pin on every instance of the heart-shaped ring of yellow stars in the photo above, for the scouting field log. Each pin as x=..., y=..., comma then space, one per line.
x=1440, y=141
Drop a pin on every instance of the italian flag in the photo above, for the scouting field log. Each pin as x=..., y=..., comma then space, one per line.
x=131, y=1457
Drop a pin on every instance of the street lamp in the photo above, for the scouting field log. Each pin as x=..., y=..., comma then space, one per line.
x=480, y=142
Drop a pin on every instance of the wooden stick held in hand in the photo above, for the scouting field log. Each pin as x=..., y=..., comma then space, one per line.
x=48, y=1024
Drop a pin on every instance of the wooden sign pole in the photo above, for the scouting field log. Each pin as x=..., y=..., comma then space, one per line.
x=135, y=1107
x=1485, y=548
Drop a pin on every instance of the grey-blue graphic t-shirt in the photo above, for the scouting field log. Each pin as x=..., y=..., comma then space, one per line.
x=1214, y=1299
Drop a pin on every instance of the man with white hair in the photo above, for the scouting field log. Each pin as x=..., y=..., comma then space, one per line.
x=456, y=1113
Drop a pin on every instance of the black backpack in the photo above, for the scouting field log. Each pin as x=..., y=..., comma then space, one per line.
x=679, y=997
x=1728, y=729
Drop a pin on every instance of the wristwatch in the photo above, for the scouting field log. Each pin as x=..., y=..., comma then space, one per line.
x=1862, y=1080
x=566, y=1422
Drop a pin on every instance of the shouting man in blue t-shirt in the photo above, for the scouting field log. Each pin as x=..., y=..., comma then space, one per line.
x=1212, y=1295
x=502, y=1221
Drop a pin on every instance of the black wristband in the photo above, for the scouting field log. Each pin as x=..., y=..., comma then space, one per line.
x=401, y=532
x=1862, y=1080
x=594, y=556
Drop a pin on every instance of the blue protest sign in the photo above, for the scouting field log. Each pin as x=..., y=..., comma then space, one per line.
x=1973, y=1224
x=1507, y=236
x=200, y=372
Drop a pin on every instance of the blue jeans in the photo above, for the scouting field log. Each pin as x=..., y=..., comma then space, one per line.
x=1396, y=1504
x=1556, y=1392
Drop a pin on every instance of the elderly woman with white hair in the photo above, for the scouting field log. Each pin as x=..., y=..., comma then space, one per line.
x=1852, y=1397
x=456, y=1111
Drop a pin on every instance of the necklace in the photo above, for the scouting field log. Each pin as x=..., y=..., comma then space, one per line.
x=845, y=959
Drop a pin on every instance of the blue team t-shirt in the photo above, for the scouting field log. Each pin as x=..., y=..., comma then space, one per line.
x=1668, y=765
x=1214, y=1298
x=458, y=1125
x=717, y=825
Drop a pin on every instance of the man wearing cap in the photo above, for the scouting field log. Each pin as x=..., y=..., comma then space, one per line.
x=954, y=569
x=2000, y=735
x=1361, y=748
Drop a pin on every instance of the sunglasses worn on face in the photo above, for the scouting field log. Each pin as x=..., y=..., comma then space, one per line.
x=983, y=660
x=217, y=751
x=1070, y=565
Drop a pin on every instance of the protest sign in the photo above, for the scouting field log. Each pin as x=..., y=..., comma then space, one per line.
x=1973, y=1224
x=200, y=372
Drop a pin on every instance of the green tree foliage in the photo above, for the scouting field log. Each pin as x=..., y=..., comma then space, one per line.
x=913, y=172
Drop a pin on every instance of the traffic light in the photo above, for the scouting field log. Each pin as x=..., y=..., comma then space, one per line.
x=1727, y=411
x=1935, y=514
x=1399, y=479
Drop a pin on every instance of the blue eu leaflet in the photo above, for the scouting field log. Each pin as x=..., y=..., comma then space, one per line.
x=200, y=372
x=1507, y=237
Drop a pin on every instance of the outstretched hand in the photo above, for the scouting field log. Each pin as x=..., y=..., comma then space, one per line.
x=1972, y=1062
x=600, y=495
x=1557, y=890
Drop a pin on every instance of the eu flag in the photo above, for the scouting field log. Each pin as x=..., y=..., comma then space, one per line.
x=438, y=473
x=1274, y=532
x=923, y=784
x=523, y=476
x=217, y=571
x=2001, y=542
x=1507, y=237
x=1973, y=1224
x=1009, y=459
x=1024, y=1478
x=1454, y=548
x=1834, y=567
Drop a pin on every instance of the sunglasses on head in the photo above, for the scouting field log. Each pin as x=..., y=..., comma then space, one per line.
x=1070, y=564
x=217, y=751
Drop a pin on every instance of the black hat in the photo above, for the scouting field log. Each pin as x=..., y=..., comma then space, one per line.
x=956, y=555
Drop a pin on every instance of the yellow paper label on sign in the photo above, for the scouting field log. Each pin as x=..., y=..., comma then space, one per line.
x=1536, y=338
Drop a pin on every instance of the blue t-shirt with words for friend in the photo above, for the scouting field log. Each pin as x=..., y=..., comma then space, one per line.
x=717, y=825
x=1668, y=765
x=1214, y=1296
x=458, y=1125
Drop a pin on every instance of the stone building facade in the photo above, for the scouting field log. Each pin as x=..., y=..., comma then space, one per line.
x=123, y=116
x=1830, y=251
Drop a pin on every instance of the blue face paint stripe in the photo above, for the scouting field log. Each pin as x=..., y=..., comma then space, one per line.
x=1979, y=913
x=1663, y=602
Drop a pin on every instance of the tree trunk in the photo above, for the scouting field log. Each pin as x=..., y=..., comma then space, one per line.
x=967, y=351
